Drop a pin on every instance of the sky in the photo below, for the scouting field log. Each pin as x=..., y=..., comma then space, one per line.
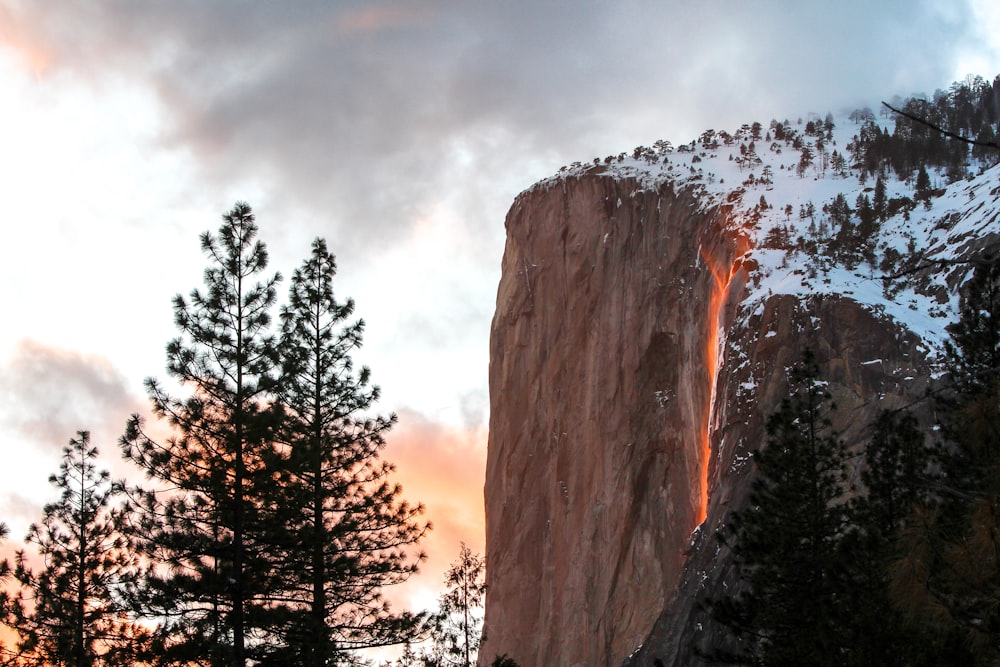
x=399, y=131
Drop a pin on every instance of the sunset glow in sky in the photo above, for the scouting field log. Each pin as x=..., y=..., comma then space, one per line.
x=400, y=132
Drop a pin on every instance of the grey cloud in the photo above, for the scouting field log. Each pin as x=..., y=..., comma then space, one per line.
x=19, y=511
x=50, y=394
x=353, y=113
x=475, y=408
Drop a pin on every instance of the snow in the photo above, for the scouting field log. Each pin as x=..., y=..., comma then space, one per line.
x=717, y=169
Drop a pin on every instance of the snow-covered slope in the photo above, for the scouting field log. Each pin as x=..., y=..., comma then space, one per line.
x=783, y=207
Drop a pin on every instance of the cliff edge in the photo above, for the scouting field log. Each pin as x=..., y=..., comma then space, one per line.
x=646, y=316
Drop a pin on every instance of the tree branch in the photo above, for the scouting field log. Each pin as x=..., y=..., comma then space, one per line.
x=937, y=128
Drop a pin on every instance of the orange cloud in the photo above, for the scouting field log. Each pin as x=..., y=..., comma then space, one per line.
x=442, y=467
x=372, y=19
x=31, y=55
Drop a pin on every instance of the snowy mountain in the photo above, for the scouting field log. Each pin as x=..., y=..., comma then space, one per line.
x=783, y=205
x=649, y=307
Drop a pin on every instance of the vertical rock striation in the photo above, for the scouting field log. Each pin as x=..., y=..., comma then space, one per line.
x=600, y=385
x=870, y=363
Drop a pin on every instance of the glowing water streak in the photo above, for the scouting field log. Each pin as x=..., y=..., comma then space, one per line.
x=722, y=279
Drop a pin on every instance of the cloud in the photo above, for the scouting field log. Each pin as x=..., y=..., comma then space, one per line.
x=48, y=394
x=19, y=511
x=377, y=18
x=357, y=116
x=30, y=55
x=443, y=468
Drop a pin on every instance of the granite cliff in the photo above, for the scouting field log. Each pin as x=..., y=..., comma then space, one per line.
x=646, y=315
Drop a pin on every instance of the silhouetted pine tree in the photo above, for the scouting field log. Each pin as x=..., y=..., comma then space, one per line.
x=895, y=475
x=202, y=520
x=948, y=578
x=895, y=478
x=74, y=610
x=786, y=543
x=343, y=533
x=458, y=625
x=7, y=655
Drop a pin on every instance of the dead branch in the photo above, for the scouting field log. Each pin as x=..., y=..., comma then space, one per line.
x=937, y=128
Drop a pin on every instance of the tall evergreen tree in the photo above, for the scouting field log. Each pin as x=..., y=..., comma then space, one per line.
x=880, y=200
x=6, y=654
x=805, y=160
x=342, y=530
x=844, y=239
x=894, y=475
x=459, y=625
x=785, y=543
x=866, y=216
x=922, y=191
x=948, y=578
x=74, y=610
x=974, y=350
x=202, y=518
x=895, y=478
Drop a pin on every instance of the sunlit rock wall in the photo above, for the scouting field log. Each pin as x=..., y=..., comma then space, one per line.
x=870, y=364
x=600, y=384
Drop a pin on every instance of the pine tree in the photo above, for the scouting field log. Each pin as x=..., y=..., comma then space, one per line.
x=458, y=626
x=74, y=611
x=840, y=220
x=948, y=579
x=202, y=518
x=923, y=187
x=343, y=531
x=805, y=160
x=866, y=218
x=895, y=475
x=880, y=201
x=895, y=478
x=838, y=163
x=984, y=153
x=974, y=351
x=8, y=656
x=786, y=542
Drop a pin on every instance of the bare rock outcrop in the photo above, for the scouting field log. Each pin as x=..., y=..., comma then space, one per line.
x=601, y=377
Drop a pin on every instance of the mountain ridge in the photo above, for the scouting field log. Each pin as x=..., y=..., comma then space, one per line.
x=740, y=256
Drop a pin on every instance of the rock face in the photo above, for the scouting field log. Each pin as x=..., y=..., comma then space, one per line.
x=845, y=338
x=601, y=381
x=646, y=317
x=630, y=378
